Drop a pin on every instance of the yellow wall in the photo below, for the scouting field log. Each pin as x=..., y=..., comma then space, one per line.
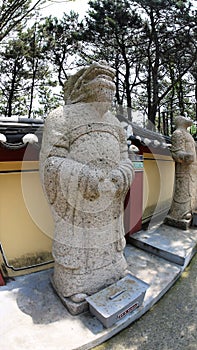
x=26, y=224
x=158, y=184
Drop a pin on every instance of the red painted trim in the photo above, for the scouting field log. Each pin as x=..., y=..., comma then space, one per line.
x=30, y=153
x=134, y=205
x=153, y=150
x=2, y=282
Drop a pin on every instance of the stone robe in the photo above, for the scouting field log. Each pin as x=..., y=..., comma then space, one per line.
x=86, y=174
x=185, y=188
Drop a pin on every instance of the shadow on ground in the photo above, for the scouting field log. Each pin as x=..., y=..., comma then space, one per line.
x=170, y=325
x=38, y=300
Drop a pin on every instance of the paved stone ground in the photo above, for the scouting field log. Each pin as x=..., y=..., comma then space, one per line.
x=32, y=316
x=170, y=325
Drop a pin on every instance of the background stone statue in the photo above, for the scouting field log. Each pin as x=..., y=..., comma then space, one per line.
x=185, y=195
x=86, y=174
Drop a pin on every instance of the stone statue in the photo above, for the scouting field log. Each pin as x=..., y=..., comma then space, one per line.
x=86, y=174
x=185, y=195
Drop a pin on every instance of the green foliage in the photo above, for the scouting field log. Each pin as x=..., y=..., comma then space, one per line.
x=13, y=13
x=61, y=42
x=151, y=44
x=47, y=101
x=145, y=40
x=24, y=69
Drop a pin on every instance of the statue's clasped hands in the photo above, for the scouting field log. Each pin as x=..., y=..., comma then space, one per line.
x=113, y=183
x=93, y=183
x=184, y=157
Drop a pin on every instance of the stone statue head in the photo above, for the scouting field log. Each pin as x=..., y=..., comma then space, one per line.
x=182, y=121
x=91, y=84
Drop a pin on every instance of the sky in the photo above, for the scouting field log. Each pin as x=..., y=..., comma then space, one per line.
x=57, y=7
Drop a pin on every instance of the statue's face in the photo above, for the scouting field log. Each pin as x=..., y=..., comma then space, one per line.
x=183, y=121
x=95, y=84
x=188, y=122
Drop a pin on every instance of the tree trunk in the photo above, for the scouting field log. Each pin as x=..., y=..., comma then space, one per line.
x=11, y=94
x=154, y=72
x=117, y=82
x=35, y=64
x=196, y=98
x=181, y=97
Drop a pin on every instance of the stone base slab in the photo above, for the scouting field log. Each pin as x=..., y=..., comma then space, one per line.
x=73, y=307
x=34, y=318
x=181, y=224
x=175, y=245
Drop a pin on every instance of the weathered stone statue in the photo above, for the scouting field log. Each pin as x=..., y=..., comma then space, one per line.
x=86, y=174
x=185, y=189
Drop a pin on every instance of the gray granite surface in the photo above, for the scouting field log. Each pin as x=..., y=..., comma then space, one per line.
x=33, y=317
